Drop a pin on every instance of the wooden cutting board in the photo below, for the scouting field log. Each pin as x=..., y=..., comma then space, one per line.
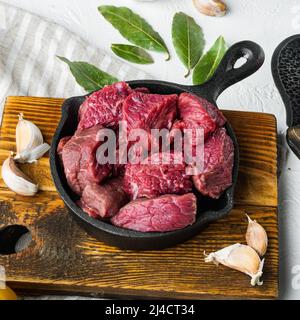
x=62, y=258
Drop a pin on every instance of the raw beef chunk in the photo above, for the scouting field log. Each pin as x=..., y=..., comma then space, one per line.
x=103, y=201
x=196, y=112
x=79, y=160
x=165, y=213
x=104, y=106
x=218, y=163
x=149, y=111
x=63, y=141
x=155, y=178
x=162, y=214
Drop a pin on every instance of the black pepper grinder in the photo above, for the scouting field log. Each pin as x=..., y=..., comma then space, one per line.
x=286, y=74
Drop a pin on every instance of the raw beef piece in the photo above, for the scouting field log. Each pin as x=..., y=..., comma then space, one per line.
x=218, y=163
x=103, y=201
x=79, y=160
x=196, y=112
x=149, y=111
x=154, y=179
x=165, y=213
x=61, y=145
x=104, y=106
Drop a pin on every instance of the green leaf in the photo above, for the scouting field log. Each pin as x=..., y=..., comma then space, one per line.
x=134, y=28
x=132, y=53
x=188, y=40
x=208, y=64
x=88, y=76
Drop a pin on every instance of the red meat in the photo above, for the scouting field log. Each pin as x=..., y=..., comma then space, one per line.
x=196, y=112
x=156, y=178
x=79, y=160
x=165, y=213
x=104, y=106
x=63, y=141
x=218, y=164
x=103, y=201
x=149, y=111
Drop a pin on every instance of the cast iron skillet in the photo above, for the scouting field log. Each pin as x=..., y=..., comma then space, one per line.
x=208, y=210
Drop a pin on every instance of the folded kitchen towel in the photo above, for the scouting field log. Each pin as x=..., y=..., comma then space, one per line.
x=28, y=63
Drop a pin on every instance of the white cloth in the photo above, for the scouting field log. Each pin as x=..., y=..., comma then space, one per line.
x=28, y=63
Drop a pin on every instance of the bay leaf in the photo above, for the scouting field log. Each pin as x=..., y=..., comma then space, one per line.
x=132, y=53
x=209, y=62
x=88, y=76
x=188, y=40
x=134, y=28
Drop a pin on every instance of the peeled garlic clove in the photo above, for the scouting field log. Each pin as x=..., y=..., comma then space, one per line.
x=28, y=135
x=16, y=180
x=215, y=8
x=31, y=155
x=256, y=237
x=239, y=257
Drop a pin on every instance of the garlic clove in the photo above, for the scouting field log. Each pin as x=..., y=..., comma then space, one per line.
x=16, y=180
x=216, y=8
x=256, y=237
x=32, y=155
x=241, y=258
x=28, y=135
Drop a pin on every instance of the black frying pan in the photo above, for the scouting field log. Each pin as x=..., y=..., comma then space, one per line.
x=208, y=210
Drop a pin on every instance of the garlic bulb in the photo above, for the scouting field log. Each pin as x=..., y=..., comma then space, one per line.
x=30, y=142
x=28, y=135
x=16, y=180
x=215, y=8
x=31, y=155
x=256, y=237
x=239, y=257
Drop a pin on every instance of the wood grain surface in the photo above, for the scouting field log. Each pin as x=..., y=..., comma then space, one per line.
x=62, y=258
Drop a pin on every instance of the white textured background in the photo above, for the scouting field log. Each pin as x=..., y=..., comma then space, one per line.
x=267, y=22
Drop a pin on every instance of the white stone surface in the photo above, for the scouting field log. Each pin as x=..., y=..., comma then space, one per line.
x=267, y=22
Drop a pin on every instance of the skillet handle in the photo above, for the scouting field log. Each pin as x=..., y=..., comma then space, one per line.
x=226, y=75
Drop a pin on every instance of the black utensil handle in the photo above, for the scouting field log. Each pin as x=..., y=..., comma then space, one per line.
x=284, y=66
x=226, y=73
